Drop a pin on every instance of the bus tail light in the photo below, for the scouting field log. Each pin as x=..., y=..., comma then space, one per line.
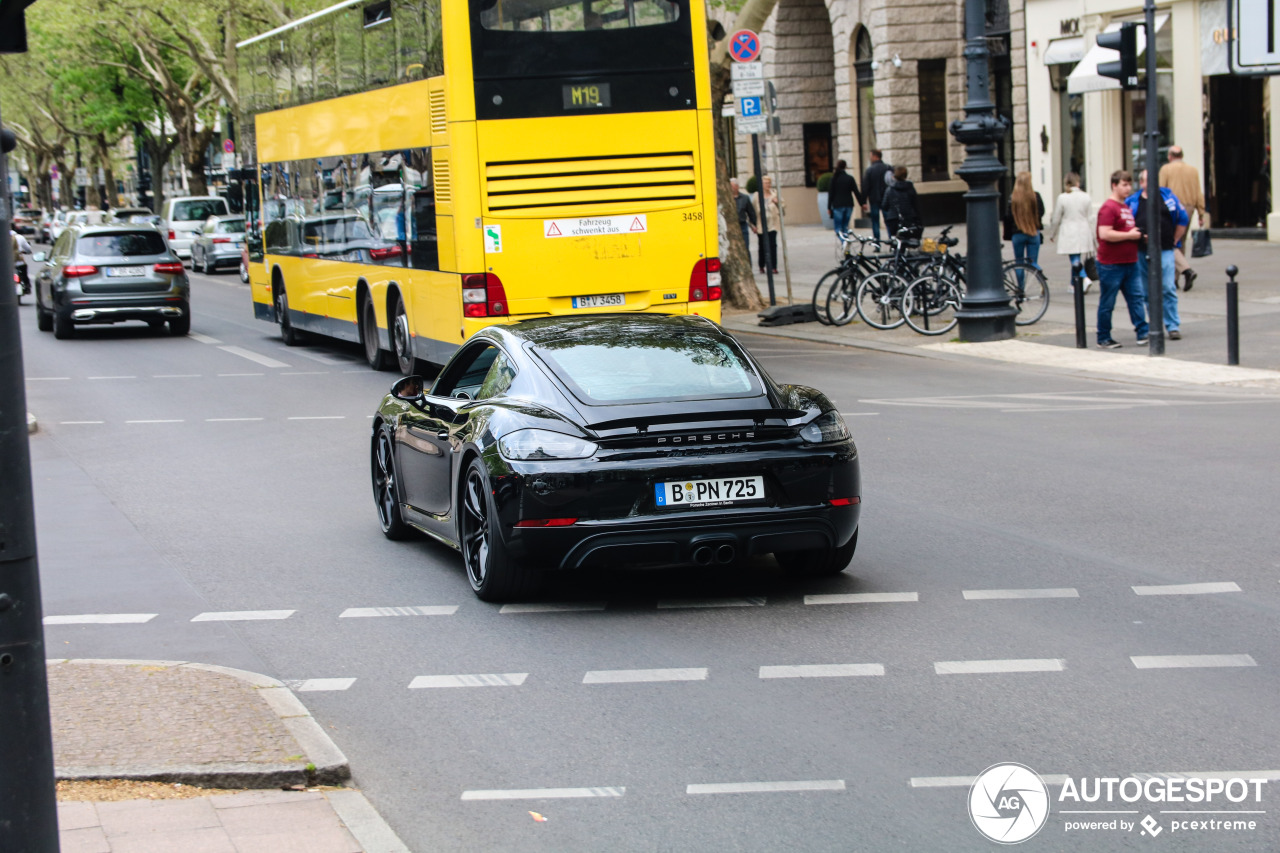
x=483, y=296
x=77, y=270
x=704, y=281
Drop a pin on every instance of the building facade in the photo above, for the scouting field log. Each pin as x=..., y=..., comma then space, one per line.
x=853, y=75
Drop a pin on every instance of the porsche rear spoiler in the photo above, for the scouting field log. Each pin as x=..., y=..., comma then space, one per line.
x=642, y=422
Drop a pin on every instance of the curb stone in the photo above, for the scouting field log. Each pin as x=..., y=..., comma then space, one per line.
x=323, y=762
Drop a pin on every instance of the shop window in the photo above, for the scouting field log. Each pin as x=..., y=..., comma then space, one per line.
x=932, y=76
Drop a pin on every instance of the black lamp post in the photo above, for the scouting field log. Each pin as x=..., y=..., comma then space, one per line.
x=985, y=313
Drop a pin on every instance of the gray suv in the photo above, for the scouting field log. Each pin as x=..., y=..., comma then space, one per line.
x=108, y=274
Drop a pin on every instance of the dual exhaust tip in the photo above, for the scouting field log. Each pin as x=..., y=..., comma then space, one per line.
x=705, y=555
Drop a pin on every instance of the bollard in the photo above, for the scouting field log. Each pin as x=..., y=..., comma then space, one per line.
x=1233, y=316
x=1077, y=287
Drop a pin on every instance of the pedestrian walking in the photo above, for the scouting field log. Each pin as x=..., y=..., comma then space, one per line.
x=1118, y=237
x=840, y=197
x=1025, y=222
x=746, y=215
x=873, y=183
x=1173, y=224
x=769, y=241
x=901, y=209
x=1071, y=227
x=1184, y=180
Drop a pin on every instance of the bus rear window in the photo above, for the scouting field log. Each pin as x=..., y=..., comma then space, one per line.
x=572, y=16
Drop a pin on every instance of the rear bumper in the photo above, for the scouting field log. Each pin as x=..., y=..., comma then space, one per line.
x=122, y=310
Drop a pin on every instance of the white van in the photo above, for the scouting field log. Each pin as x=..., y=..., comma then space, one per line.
x=182, y=218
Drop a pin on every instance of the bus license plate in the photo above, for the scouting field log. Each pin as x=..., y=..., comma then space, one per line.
x=126, y=271
x=722, y=491
x=604, y=301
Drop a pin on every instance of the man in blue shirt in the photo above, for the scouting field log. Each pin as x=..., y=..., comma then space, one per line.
x=1173, y=224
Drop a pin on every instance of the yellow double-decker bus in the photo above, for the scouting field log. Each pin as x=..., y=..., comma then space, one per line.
x=423, y=168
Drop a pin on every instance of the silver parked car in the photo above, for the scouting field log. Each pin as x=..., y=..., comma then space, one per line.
x=108, y=274
x=218, y=244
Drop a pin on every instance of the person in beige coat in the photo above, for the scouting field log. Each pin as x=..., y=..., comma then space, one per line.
x=1072, y=225
x=1184, y=180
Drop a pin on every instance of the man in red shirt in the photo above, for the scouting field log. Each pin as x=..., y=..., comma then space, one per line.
x=1118, y=237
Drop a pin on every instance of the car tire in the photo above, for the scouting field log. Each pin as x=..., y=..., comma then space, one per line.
x=493, y=573
x=291, y=336
x=180, y=326
x=378, y=358
x=157, y=325
x=244, y=273
x=44, y=318
x=386, y=491
x=195, y=267
x=819, y=563
x=63, y=326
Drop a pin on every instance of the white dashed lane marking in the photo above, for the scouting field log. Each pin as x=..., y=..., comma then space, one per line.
x=233, y=375
x=1190, y=661
x=416, y=610
x=265, y=361
x=158, y=421
x=243, y=615
x=766, y=787
x=822, y=670
x=544, y=794
x=316, y=685
x=229, y=420
x=989, y=594
x=863, y=598
x=113, y=377
x=204, y=339
x=1188, y=588
x=554, y=607
x=101, y=619
x=634, y=676
x=176, y=376
x=690, y=603
x=318, y=418
x=504, y=679
x=978, y=667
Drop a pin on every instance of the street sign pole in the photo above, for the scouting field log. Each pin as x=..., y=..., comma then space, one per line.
x=766, y=256
x=1155, y=200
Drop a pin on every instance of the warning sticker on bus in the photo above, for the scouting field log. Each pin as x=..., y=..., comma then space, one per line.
x=594, y=226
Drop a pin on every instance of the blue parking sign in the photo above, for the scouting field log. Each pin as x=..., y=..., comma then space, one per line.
x=750, y=106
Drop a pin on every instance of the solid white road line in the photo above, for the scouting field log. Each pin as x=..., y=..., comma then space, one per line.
x=862, y=598
x=973, y=667
x=765, y=787
x=504, y=679
x=243, y=615
x=265, y=361
x=822, y=670
x=989, y=594
x=415, y=610
x=631, y=676
x=544, y=794
x=158, y=421
x=686, y=603
x=1190, y=661
x=315, y=685
x=101, y=619
x=229, y=420
x=113, y=377
x=204, y=339
x=1187, y=588
x=318, y=418
x=81, y=422
x=554, y=607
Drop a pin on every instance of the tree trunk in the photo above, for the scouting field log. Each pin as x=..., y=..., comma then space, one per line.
x=195, y=145
x=739, y=284
x=108, y=174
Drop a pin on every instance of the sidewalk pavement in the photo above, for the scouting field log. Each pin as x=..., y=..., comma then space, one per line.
x=219, y=729
x=1200, y=358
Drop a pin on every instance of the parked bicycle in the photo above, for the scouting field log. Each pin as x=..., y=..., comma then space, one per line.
x=853, y=267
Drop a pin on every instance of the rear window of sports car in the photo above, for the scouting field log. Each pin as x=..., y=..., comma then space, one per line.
x=671, y=367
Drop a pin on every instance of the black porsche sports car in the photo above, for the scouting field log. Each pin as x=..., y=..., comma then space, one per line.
x=593, y=442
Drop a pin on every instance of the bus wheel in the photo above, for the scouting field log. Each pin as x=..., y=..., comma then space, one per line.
x=291, y=336
x=378, y=358
x=400, y=338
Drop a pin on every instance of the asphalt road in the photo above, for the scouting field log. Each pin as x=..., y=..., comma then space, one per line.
x=215, y=489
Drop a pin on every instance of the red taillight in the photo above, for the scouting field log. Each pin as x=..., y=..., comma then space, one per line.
x=844, y=501
x=483, y=296
x=171, y=235
x=546, y=522
x=704, y=281
x=385, y=252
x=77, y=270
x=310, y=255
x=168, y=268
x=222, y=239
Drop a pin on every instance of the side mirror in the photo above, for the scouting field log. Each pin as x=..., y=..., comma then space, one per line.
x=409, y=388
x=39, y=258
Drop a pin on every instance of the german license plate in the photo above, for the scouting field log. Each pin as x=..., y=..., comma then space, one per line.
x=721, y=491
x=603, y=301
x=116, y=272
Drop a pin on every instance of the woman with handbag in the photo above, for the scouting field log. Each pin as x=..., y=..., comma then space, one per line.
x=1072, y=221
x=1026, y=213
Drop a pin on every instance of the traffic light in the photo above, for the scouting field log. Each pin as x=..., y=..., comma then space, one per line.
x=1124, y=40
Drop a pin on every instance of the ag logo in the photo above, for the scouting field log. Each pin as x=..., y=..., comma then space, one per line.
x=1008, y=803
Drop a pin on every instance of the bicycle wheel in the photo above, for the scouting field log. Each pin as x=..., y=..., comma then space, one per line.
x=841, y=307
x=879, y=300
x=1031, y=298
x=820, y=294
x=929, y=305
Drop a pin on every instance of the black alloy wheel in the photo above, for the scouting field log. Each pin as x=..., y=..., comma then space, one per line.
x=385, y=488
x=291, y=336
x=493, y=574
x=819, y=563
x=401, y=340
x=378, y=358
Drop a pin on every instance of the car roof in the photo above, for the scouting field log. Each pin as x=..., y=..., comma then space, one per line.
x=548, y=329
